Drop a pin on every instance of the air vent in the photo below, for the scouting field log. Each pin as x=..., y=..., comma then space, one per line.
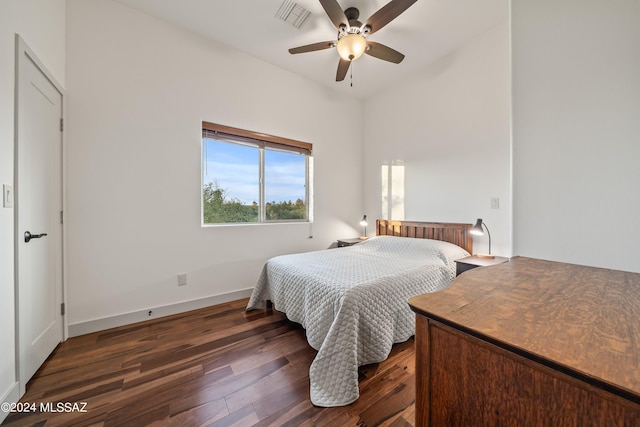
x=292, y=13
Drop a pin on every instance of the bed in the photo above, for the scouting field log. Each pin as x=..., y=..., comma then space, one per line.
x=352, y=301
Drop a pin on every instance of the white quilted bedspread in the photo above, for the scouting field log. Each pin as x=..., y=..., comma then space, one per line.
x=352, y=302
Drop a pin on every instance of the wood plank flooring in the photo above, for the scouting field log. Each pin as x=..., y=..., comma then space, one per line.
x=218, y=366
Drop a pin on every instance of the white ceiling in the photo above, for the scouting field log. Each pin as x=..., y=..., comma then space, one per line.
x=425, y=32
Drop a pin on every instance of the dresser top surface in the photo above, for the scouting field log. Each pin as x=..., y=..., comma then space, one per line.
x=586, y=319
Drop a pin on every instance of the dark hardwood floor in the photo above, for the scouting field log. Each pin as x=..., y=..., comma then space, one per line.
x=218, y=366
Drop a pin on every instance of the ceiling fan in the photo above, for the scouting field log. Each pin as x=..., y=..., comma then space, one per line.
x=352, y=42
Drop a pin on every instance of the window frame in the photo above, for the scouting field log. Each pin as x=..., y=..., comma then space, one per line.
x=261, y=141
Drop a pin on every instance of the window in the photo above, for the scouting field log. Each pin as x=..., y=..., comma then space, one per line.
x=249, y=177
x=393, y=191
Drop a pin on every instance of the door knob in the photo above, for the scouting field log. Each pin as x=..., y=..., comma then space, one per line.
x=28, y=236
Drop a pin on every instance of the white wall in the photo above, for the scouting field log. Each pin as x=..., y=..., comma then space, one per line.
x=449, y=127
x=138, y=89
x=576, y=146
x=42, y=25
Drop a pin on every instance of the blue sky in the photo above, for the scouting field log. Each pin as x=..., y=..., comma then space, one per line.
x=236, y=168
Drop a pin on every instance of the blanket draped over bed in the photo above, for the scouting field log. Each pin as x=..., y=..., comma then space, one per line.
x=352, y=302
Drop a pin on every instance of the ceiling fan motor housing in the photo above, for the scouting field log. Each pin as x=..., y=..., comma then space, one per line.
x=352, y=13
x=355, y=26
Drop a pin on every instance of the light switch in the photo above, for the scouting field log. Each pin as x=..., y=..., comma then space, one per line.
x=495, y=203
x=7, y=195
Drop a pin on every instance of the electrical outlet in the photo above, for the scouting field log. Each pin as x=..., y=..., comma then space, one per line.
x=182, y=279
x=495, y=203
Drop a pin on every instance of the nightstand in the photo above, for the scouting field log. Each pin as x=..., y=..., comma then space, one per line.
x=348, y=242
x=474, y=261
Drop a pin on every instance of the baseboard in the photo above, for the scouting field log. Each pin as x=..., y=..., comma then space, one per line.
x=11, y=396
x=96, y=325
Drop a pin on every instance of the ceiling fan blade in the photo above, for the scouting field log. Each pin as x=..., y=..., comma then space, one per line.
x=343, y=67
x=312, y=47
x=335, y=13
x=383, y=52
x=387, y=13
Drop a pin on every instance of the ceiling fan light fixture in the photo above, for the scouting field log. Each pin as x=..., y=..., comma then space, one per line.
x=352, y=42
x=351, y=46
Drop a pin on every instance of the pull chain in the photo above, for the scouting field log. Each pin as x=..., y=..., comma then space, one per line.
x=351, y=73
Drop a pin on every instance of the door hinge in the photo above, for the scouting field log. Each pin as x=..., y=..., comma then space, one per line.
x=62, y=309
x=61, y=125
x=61, y=217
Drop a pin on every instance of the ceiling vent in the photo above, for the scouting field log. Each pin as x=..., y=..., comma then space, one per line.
x=292, y=13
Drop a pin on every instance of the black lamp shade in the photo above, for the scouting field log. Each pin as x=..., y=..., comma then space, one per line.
x=477, y=229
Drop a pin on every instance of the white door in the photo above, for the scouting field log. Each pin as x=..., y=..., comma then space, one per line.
x=38, y=206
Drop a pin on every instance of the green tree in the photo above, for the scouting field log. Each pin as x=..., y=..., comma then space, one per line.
x=286, y=210
x=218, y=208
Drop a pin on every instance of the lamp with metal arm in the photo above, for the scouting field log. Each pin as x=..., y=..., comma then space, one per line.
x=363, y=222
x=477, y=230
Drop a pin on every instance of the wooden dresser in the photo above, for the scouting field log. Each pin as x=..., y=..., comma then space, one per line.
x=530, y=343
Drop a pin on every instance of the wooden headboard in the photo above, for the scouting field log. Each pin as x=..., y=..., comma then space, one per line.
x=458, y=234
